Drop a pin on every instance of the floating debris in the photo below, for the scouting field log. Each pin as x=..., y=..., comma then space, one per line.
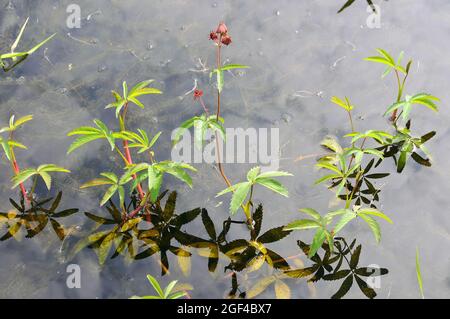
x=307, y=94
x=337, y=62
x=91, y=42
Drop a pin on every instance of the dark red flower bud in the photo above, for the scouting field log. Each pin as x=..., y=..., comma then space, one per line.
x=222, y=29
x=226, y=39
x=198, y=94
x=213, y=36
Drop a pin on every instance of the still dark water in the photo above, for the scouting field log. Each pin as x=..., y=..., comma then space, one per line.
x=301, y=53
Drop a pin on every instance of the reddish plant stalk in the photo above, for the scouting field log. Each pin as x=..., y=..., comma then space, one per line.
x=202, y=103
x=128, y=154
x=22, y=187
x=219, y=162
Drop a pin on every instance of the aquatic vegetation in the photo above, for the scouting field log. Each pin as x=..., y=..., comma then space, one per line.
x=345, y=172
x=206, y=122
x=141, y=220
x=133, y=174
x=10, y=60
x=168, y=293
x=21, y=176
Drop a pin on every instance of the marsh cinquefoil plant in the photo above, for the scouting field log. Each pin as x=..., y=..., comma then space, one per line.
x=10, y=60
x=9, y=144
x=134, y=174
x=206, y=122
x=346, y=174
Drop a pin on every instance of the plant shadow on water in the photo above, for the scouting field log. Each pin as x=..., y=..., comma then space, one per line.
x=242, y=258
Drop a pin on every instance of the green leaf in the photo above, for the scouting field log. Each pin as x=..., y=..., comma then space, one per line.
x=233, y=66
x=52, y=168
x=47, y=179
x=97, y=182
x=177, y=295
x=419, y=274
x=374, y=226
x=382, y=60
x=35, y=48
x=19, y=36
x=345, y=219
x=402, y=161
x=302, y=224
x=125, y=90
x=23, y=176
x=317, y=242
x=155, y=179
x=375, y=212
x=109, y=193
x=184, y=126
x=169, y=288
x=155, y=285
x=344, y=104
x=240, y=194
x=273, y=174
x=140, y=85
x=311, y=212
x=326, y=178
x=181, y=175
x=111, y=176
x=273, y=185
x=82, y=141
x=6, y=148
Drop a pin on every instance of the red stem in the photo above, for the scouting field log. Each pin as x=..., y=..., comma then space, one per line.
x=219, y=162
x=128, y=155
x=22, y=188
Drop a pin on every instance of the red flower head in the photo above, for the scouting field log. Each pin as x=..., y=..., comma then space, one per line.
x=222, y=29
x=213, y=36
x=226, y=39
x=198, y=94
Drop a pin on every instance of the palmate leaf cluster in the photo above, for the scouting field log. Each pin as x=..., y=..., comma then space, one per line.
x=8, y=144
x=133, y=175
x=201, y=125
x=254, y=177
x=132, y=95
x=168, y=293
